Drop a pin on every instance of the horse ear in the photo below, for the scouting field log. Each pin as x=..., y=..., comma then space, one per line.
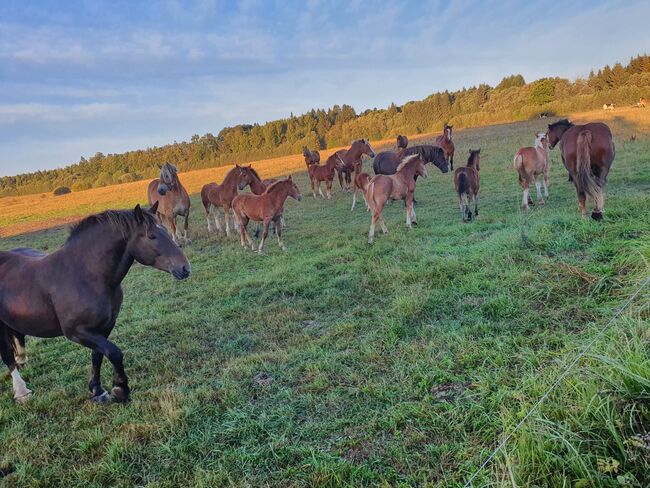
x=139, y=216
x=154, y=208
x=290, y=179
x=470, y=151
x=478, y=151
x=250, y=166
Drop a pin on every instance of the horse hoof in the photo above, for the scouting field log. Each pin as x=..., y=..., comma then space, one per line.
x=119, y=394
x=541, y=202
x=414, y=223
x=24, y=398
x=103, y=398
x=597, y=215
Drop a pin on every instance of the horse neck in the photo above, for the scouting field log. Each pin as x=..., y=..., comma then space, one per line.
x=354, y=152
x=278, y=194
x=101, y=251
x=230, y=181
x=408, y=171
x=257, y=186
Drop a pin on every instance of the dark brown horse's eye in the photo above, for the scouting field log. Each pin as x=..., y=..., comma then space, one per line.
x=152, y=236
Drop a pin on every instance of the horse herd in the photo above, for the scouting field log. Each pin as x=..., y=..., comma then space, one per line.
x=84, y=300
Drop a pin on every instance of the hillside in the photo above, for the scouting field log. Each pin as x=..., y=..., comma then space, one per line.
x=511, y=100
x=342, y=364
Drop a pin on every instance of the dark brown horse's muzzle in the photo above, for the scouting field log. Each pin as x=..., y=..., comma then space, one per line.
x=181, y=272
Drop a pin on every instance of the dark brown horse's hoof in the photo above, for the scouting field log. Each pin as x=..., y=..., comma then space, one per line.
x=119, y=394
x=101, y=398
x=597, y=215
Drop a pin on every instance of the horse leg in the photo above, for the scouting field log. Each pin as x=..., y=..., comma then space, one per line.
x=311, y=181
x=97, y=393
x=19, y=349
x=582, y=199
x=216, y=219
x=525, y=197
x=178, y=230
x=21, y=392
x=476, y=204
x=226, y=217
x=451, y=162
x=538, y=188
x=278, y=232
x=354, y=199
x=186, y=226
x=320, y=191
x=546, y=184
x=265, y=233
x=243, y=224
x=348, y=181
x=328, y=186
x=207, y=216
x=172, y=228
x=373, y=221
x=414, y=220
x=101, y=346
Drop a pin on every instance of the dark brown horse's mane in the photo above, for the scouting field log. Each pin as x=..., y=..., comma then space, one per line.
x=560, y=123
x=122, y=220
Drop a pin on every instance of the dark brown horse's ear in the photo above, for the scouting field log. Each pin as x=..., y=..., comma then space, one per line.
x=139, y=216
x=250, y=166
x=154, y=208
x=478, y=151
x=470, y=151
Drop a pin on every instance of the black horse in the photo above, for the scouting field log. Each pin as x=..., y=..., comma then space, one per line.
x=76, y=291
x=386, y=163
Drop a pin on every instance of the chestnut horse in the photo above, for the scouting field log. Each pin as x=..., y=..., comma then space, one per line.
x=530, y=163
x=319, y=173
x=76, y=291
x=402, y=142
x=400, y=186
x=351, y=156
x=587, y=153
x=259, y=186
x=214, y=196
x=361, y=181
x=386, y=163
x=173, y=200
x=311, y=157
x=467, y=182
x=444, y=141
x=267, y=207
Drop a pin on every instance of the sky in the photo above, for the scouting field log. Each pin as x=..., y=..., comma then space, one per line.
x=82, y=76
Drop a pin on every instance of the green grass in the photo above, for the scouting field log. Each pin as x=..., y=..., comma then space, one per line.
x=397, y=364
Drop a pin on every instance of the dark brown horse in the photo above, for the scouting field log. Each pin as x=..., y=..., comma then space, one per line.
x=267, y=207
x=402, y=142
x=400, y=186
x=444, y=141
x=351, y=156
x=173, y=200
x=319, y=173
x=587, y=153
x=75, y=291
x=311, y=157
x=216, y=196
x=386, y=163
x=468, y=182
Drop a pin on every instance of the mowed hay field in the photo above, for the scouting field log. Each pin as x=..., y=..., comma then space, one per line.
x=398, y=364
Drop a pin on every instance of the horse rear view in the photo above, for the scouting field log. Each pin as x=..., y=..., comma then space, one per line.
x=467, y=183
x=587, y=153
x=173, y=200
x=530, y=163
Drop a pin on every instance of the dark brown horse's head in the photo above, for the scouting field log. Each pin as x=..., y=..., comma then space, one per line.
x=294, y=191
x=168, y=178
x=474, y=159
x=402, y=142
x=556, y=130
x=447, y=131
x=150, y=244
x=306, y=152
x=435, y=155
x=363, y=146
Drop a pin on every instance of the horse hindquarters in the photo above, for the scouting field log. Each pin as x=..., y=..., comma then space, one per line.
x=586, y=183
x=463, y=189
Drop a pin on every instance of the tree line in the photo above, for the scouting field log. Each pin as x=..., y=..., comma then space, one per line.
x=511, y=100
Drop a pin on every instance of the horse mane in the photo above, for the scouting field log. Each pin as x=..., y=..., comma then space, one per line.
x=255, y=173
x=405, y=161
x=273, y=185
x=560, y=123
x=472, y=155
x=122, y=220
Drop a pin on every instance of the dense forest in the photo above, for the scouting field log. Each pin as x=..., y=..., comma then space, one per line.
x=512, y=99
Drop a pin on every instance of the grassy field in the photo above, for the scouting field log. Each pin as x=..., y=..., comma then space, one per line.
x=400, y=364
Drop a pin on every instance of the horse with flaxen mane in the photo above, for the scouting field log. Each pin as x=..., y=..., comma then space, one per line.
x=531, y=163
x=400, y=186
x=76, y=291
x=402, y=142
x=267, y=207
x=467, y=182
x=444, y=141
x=587, y=153
x=351, y=156
x=311, y=157
x=386, y=163
x=173, y=200
x=319, y=173
x=215, y=196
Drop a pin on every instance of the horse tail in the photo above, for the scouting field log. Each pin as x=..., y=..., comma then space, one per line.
x=463, y=184
x=370, y=194
x=463, y=195
x=518, y=163
x=585, y=181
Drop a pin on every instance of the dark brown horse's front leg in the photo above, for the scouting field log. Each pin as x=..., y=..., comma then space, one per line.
x=97, y=393
x=100, y=345
x=186, y=226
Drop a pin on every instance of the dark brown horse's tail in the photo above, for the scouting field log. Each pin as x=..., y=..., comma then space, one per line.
x=585, y=181
x=463, y=184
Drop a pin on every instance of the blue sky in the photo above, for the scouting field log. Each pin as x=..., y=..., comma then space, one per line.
x=82, y=76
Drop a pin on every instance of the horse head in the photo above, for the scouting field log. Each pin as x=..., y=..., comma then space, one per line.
x=474, y=159
x=168, y=178
x=437, y=156
x=294, y=191
x=448, y=130
x=541, y=140
x=556, y=130
x=363, y=147
x=150, y=244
